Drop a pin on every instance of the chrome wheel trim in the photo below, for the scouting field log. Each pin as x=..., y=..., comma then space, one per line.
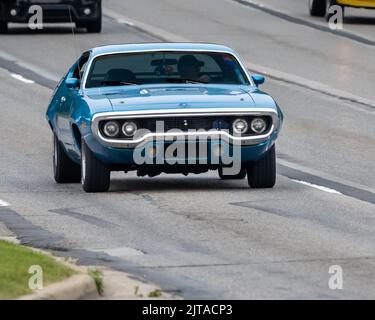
x=83, y=167
x=54, y=156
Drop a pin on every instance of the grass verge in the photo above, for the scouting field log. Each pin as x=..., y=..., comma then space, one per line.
x=15, y=261
x=97, y=275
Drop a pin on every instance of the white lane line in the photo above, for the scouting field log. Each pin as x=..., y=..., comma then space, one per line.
x=3, y=203
x=118, y=17
x=127, y=22
x=21, y=78
x=323, y=175
x=25, y=65
x=151, y=29
x=321, y=188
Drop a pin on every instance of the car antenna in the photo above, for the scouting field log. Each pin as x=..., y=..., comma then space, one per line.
x=74, y=42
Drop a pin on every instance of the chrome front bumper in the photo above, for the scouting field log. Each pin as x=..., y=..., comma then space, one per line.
x=189, y=136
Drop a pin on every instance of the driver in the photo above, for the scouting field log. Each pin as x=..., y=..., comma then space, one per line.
x=189, y=69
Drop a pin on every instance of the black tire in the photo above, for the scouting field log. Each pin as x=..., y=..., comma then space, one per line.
x=330, y=3
x=262, y=174
x=95, y=26
x=3, y=27
x=64, y=169
x=96, y=175
x=317, y=8
x=239, y=176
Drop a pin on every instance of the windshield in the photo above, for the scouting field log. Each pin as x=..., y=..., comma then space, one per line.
x=165, y=67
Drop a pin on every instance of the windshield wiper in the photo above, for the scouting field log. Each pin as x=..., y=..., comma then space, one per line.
x=174, y=80
x=118, y=83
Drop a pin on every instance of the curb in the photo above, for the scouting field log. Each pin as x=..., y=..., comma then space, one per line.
x=73, y=288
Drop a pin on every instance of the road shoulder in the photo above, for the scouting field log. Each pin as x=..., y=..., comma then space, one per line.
x=90, y=283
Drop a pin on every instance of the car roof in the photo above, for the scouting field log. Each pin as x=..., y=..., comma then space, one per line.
x=109, y=49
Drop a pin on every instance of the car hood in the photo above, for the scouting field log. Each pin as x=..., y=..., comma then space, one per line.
x=177, y=97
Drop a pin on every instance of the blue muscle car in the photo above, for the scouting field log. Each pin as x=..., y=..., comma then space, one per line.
x=162, y=108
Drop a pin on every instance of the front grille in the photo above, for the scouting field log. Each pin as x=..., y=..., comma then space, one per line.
x=185, y=123
x=57, y=14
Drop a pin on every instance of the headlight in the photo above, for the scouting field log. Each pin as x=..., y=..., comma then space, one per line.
x=87, y=11
x=240, y=126
x=111, y=129
x=129, y=128
x=258, y=125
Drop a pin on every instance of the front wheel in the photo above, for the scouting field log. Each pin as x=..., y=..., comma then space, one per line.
x=91, y=27
x=3, y=27
x=317, y=8
x=64, y=169
x=96, y=25
x=262, y=174
x=96, y=175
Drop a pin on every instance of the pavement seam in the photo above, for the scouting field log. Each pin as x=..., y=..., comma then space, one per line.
x=16, y=66
x=345, y=189
x=261, y=262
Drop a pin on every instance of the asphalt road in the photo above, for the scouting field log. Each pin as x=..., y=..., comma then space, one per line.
x=357, y=21
x=198, y=236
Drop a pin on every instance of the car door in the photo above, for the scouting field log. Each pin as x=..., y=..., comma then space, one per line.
x=67, y=99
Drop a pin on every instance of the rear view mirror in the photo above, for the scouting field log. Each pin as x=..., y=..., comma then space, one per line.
x=164, y=62
x=72, y=82
x=258, y=79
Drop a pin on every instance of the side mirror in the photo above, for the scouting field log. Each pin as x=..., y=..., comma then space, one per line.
x=258, y=79
x=72, y=82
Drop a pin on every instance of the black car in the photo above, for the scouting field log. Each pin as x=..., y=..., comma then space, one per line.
x=85, y=13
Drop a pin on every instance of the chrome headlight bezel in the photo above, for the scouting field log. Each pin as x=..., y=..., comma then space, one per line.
x=116, y=132
x=254, y=125
x=127, y=132
x=244, y=129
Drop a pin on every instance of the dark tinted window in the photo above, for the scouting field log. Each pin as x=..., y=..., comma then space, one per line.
x=165, y=67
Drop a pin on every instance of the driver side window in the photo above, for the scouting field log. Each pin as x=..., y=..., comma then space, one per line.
x=80, y=68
